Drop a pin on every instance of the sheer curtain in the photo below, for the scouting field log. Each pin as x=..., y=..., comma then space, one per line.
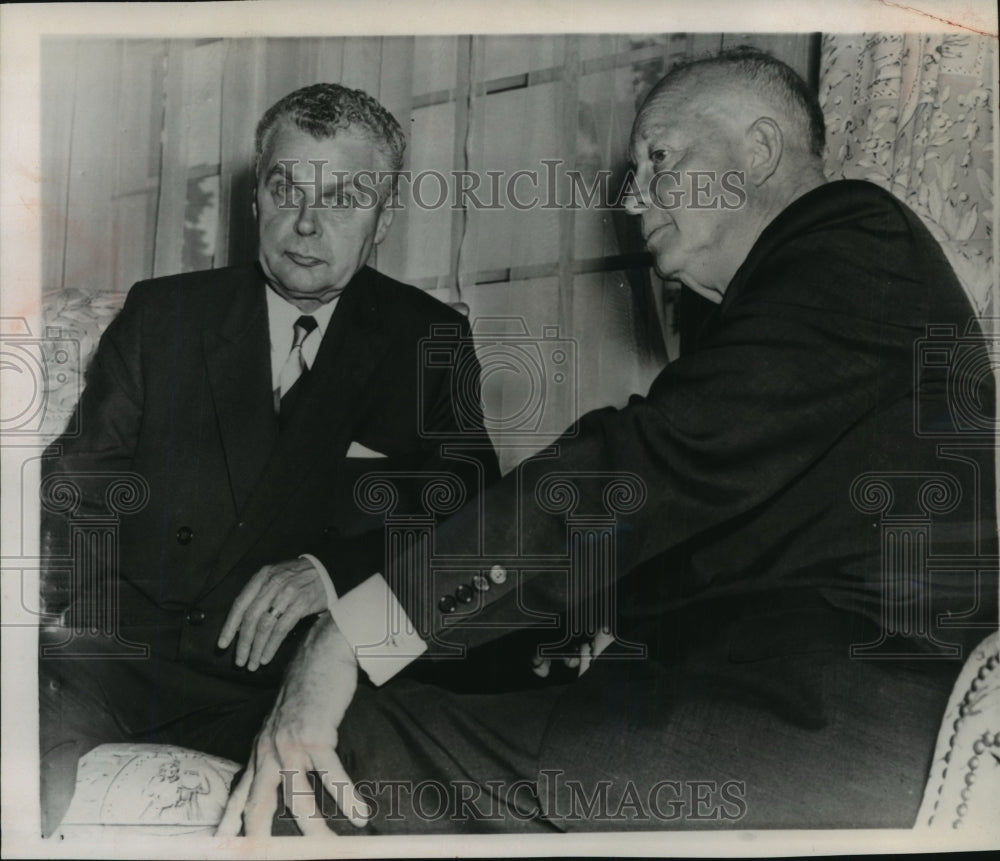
x=147, y=171
x=914, y=114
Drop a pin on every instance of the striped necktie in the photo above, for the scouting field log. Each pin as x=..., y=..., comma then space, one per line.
x=295, y=365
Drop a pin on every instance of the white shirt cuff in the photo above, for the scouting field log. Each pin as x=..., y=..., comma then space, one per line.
x=377, y=627
x=331, y=593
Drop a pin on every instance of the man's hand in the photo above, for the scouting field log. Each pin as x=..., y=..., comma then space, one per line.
x=588, y=650
x=275, y=600
x=299, y=736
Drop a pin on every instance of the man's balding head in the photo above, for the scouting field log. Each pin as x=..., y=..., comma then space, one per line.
x=721, y=146
x=751, y=80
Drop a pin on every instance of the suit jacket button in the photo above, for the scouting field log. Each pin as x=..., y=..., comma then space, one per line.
x=498, y=574
x=196, y=617
x=464, y=593
x=447, y=604
x=184, y=535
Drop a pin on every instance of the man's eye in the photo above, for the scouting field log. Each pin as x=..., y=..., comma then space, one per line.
x=339, y=201
x=284, y=193
x=658, y=156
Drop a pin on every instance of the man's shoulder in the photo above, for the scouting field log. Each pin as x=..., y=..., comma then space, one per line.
x=212, y=280
x=846, y=210
x=407, y=305
x=195, y=291
x=855, y=218
x=851, y=247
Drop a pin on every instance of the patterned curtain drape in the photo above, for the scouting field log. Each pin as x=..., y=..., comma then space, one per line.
x=913, y=113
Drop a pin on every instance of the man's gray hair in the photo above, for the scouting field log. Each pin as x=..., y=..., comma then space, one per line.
x=776, y=81
x=324, y=109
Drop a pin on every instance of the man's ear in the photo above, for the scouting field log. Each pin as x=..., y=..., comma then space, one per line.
x=385, y=214
x=253, y=201
x=766, y=147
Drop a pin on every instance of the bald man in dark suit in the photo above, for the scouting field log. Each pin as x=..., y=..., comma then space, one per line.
x=799, y=467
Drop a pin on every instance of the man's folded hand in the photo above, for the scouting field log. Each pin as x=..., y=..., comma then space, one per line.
x=299, y=736
x=275, y=600
x=588, y=650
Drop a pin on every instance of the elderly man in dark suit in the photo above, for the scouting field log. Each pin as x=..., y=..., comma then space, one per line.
x=798, y=651
x=247, y=402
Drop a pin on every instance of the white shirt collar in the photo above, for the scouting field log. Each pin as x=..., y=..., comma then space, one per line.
x=281, y=317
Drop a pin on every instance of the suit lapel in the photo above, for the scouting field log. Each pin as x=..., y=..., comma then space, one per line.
x=238, y=359
x=329, y=408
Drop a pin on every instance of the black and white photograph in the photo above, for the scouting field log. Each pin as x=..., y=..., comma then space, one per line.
x=478, y=429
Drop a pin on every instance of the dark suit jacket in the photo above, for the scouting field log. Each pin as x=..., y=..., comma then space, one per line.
x=179, y=393
x=749, y=544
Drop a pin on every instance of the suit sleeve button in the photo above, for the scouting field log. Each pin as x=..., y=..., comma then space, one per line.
x=498, y=574
x=464, y=593
x=196, y=617
x=447, y=604
x=184, y=535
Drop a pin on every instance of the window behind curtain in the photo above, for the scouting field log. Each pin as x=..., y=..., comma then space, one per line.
x=147, y=170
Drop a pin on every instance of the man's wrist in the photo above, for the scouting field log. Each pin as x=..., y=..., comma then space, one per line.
x=324, y=576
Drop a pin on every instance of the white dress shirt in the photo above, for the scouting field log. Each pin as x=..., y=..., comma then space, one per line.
x=281, y=317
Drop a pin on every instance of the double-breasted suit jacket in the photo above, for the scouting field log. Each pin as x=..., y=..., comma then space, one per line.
x=180, y=394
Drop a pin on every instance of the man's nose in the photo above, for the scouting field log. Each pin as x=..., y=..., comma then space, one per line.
x=306, y=222
x=634, y=201
x=634, y=204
